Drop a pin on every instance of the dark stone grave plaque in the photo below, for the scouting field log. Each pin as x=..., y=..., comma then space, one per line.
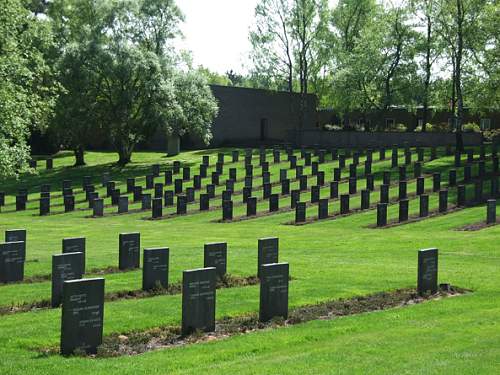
x=190, y=194
x=92, y=196
x=433, y=153
x=87, y=180
x=384, y=193
x=44, y=206
x=49, y=163
x=155, y=267
x=394, y=158
x=403, y=190
x=67, y=266
x=408, y=158
x=129, y=251
x=353, y=185
x=273, y=202
x=299, y=171
x=251, y=206
x=467, y=172
x=157, y=210
x=370, y=182
x=303, y=183
x=12, y=258
x=335, y=154
x=461, y=195
x=314, y=168
x=334, y=189
x=386, y=178
x=342, y=161
x=365, y=199
x=452, y=177
x=197, y=182
x=285, y=187
x=491, y=211
x=204, y=202
x=137, y=193
x=265, y=167
x=123, y=205
x=176, y=167
x=130, y=185
x=427, y=279
x=307, y=159
x=203, y=171
x=20, y=202
x=75, y=245
x=198, y=300
x=402, y=173
x=382, y=154
x=69, y=203
x=403, y=210
x=235, y=156
x=320, y=178
x=294, y=198
x=215, y=178
x=2, y=198
x=249, y=170
x=98, y=207
x=227, y=195
x=146, y=202
x=45, y=195
x=215, y=255
x=274, y=291
x=368, y=167
x=211, y=190
x=355, y=158
x=105, y=179
x=424, y=205
x=178, y=186
x=381, y=214
x=169, y=177
x=247, y=193
x=232, y=174
x=300, y=212
x=268, y=252
x=230, y=185
x=276, y=156
x=227, y=210
x=420, y=185
x=219, y=168
x=206, y=160
x=337, y=174
x=417, y=169
x=155, y=170
x=293, y=162
x=323, y=208
x=420, y=154
x=186, y=173
x=110, y=186
x=283, y=174
x=158, y=190
x=168, y=198
x=82, y=315
x=353, y=173
x=344, y=204
x=436, y=181
x=181, y=205
x=315, y=194
x=443, y=200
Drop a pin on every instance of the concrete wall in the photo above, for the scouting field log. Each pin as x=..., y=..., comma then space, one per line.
x=377, y=139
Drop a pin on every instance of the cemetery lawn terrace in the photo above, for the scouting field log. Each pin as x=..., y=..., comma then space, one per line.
x=329, y=260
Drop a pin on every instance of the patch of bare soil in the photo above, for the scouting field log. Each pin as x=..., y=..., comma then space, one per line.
x=137, y=342
x=477, y=226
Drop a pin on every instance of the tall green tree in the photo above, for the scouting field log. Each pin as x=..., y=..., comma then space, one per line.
x=27, y=88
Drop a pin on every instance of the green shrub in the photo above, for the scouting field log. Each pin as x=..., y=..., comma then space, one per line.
x=471, y=127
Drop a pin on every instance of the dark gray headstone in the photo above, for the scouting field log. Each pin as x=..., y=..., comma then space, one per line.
x=137, y=193
x=75, y=245
x=44, y=206
x=403, y=210
x=268, y=252
x=129, y=251
x=227, y=210
x=155, y=267
x=384, y=193
x=353, y=172
x=215, y=255
x=251, y=206
x=155, y=170
x=110, y=186
x=300, y=212
x=303, y=183
x=158, y=191
x=386, y=178
x=417, y=169
x=176, y=166
x=436, y=181
x=443, y=200
x=334, y=189
x=215, y=178
x=157, y=208
x=204, y=202
x=178, y=186
x=294, y=198
x=491, y=211
x=146, y=201
x=2, y=198
x=186, y=173
x=424, y=205
x=12, y=258
x=274, y=291
x=49, y=163
x=169, y=177
x=211, y=190
x=403, y=190
x=168, y=197
x=69, y=203
x=342, y=158
x=123, y=204
x=381, y=214
x=181, y=205
x=315, y=194
x=323, y=208
x=273, y=202
x=344, y=204
x=82, y=315
x=427, y=279
x=21, y=202
x=190, y=196
x=98, y=207
x=420, y=185
x=353, y=183
x=235, y=156
x=365, y=199
x=67, y=266
x=198, y=300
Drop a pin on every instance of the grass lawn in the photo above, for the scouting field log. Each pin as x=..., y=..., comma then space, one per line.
x=330, y=259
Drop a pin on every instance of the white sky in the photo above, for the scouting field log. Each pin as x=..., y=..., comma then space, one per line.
x=216, y=32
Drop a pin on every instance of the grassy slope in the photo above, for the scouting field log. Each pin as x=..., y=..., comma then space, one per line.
x=331, y=259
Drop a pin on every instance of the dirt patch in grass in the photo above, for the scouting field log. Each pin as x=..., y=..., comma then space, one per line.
x=228, y=281
x=137, y=342
x=477, y=226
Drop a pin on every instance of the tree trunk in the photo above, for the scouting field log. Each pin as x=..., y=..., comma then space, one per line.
x=425, y=115
x=125, y=154
x=458, y=78
x=79, y=156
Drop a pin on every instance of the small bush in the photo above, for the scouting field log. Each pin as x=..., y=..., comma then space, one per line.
x=400, y=128
x=471, y=127
x=492, y=135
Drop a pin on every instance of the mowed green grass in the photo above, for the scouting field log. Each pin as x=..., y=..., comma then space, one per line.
x=329, y=260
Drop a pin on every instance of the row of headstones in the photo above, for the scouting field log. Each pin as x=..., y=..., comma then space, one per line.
x=443, y=203
x=21, y=197
x=83, y=301
x=49, y=163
